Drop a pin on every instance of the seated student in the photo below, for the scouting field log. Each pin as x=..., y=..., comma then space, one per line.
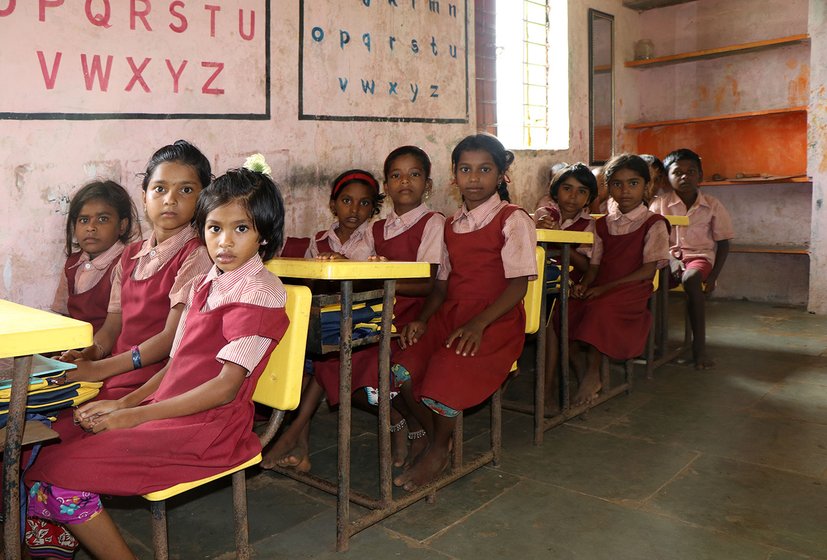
x=152, y=278
x=572, y=189
x=608, y=311
x=101, y=220
x=471, y=328
x=354, y=200
x=545, y=200
x=659, y=185
x=700, y=250
x=194, y=418
x=600, y=204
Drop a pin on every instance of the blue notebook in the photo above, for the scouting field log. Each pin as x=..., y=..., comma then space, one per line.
x=41, y=366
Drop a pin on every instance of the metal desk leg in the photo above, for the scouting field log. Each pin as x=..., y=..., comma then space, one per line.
x=540, y=365
x=564, y=326
x=345, y=383
x=11, y=457
x=384, y=424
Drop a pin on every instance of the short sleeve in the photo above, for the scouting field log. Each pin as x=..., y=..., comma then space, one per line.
x=115, y=292
x=518, y=252
x=196, y=264
x=432, y=245
x=721, y=223
x=656, y=244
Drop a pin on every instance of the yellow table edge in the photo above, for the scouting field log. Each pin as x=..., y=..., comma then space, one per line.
x=564, y=236
x=672, y=219
x=312, y=269
x=24, y=331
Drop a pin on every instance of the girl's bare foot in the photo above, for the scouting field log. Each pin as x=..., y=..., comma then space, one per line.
x=589, y=390
x=704, y=362
x=427, y=468
x=399, y=443
x=418, y=444
x=290, y=450
x=298, y=459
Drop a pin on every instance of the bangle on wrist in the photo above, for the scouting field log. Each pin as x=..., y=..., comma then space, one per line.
x=136, y=358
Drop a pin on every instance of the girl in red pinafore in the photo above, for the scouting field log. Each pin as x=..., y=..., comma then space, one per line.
x=194, y=418
x=152, y=279
x=150, y=283
x=354, y=200
x=100, y=221
x=572, y=189
x=471, y=328
x=608, y=312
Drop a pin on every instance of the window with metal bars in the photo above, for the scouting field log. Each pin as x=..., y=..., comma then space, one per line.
x=531, y=48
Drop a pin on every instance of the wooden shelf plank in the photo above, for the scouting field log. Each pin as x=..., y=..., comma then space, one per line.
x=802, y=180
x=770, y=249
x=723, y=117
x=717, y=52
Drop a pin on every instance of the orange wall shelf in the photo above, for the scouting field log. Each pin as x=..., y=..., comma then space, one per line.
x=769, y=142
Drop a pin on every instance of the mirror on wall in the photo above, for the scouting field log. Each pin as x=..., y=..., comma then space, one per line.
x=601, y=86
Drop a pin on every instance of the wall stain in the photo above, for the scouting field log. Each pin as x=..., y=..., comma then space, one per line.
x=798, y=90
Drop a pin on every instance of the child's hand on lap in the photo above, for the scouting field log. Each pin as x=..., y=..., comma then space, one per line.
x=594, y=292
x=117, y=420
x=469, y=337
x=578, y=290
x=411, y=333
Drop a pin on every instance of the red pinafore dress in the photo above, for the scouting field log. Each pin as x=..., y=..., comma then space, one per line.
x=323, y=245
x=477, y=279
x=161, y=453
x=144, y=307
x=365, y=362
x=92, y=305
x=616, y=323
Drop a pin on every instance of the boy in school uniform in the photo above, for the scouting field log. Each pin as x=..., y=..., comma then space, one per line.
x=699, y=250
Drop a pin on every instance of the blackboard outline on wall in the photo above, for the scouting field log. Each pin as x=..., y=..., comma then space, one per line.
x=164, y=116
x=371, y=118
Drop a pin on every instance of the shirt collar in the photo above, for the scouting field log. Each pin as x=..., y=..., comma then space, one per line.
x=175, y=242
x=478, y=214
x=408, y=218
x=102, y=261
x=617, y=216
x=225, y=280
x=675, y=200
x=356, y=235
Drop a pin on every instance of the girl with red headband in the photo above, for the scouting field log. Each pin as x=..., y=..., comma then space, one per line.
x=354, y=199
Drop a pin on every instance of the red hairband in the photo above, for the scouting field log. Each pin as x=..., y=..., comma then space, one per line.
x=364, y=177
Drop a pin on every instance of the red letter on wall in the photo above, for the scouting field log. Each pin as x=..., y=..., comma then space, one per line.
x=49, y=77
x=135, y=14
x=181, y=27
x=48, y=4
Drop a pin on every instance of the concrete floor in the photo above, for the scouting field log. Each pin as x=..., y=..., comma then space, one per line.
x=724, y=464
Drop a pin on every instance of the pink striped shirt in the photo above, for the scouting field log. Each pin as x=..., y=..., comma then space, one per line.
x=153, y=256
x=519, y=231
x=250, y=283
x=431, y=247
x=88, y=272
x=358, y=248
x=656, y=244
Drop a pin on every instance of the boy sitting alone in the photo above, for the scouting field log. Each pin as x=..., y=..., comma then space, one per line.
x=700, y=249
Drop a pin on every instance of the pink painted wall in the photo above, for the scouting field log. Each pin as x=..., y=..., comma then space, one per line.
x=817, y=143
x=43, y=162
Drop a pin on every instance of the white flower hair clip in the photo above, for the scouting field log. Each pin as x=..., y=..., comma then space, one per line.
x=257, y=163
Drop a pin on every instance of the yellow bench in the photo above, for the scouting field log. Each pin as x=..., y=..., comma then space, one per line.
x=279, y=387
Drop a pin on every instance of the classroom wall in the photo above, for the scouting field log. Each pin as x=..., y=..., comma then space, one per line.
x=817, y=155
x=43, y=161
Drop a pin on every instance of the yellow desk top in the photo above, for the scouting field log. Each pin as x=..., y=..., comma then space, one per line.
x=24, y=331
x=564, y=236
x=673, y=220
x=312, y=269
